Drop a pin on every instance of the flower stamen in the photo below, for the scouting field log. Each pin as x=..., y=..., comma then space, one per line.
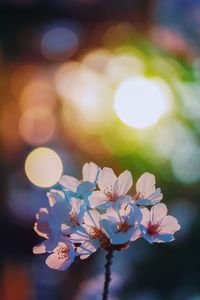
x=63, y=252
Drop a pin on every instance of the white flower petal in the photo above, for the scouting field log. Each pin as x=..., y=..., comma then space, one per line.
x=120, y=201
x=39, y=249
x=41, y=229
x=55, y=196
x=76, y=204
x=158, y=212
x=108, y=227
x=169, y=225
x=80, y=235
x=144, y=202
x=69, y=183
x=89, y=172
x=145, y=217
x=123, y=183
x=146, y=184
x=164, y=238
x=150, y=239
x=97, y=198
x=47, y=246
x=79, y=208
x=156, y=197
x=60, y=260
x=92, y=218
x=65, y=228
x=119, y=238
x=107, y=179
x=87, y=248
x=137, y=234
x=112, y=215
x=60, y=214
x=54, y=262
x=134, y=214
x=84, y=189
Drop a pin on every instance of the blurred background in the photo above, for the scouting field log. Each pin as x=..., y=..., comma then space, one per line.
x=117, y=83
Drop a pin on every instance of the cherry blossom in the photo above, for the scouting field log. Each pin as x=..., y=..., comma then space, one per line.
x=81, y=188
x=113, y=189
x=122, y=225
x=62, y=256
x=46, y=228
x=62, y=214
x=91, y=236
x=146, y=193
x=79, y=220
x=72, y=216
x=157, y=226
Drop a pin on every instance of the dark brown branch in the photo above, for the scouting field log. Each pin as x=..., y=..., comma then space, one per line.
x=108, y=264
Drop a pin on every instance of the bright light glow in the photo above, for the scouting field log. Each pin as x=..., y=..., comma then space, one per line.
x=123, y=66
x=85, y=89
x=43, y=167
x=140, y=102
x=97, y=59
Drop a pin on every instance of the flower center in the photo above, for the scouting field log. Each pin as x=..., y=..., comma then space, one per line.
x=111, y=195
x=63, y=252
x=136, y=197
x=105, y=243
x=123, y=227
x=96, y=234
x=73, y=218
x=153, y=229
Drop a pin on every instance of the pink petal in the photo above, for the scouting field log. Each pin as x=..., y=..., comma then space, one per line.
x=157, y=196
x=145, y=216
x=137, y=234
x=92, y=218
x=39, y=249
x=146, y=184
x=123, y=183
x=79, y=236
x=41, y=230
x=87, y=248
x=107, y=179
x=97, y=198
x=59, y=260
x=84, y=188
x=158, y=212
x=113, y=215
x=54, y=262
x=89, y=172
x=169, y=225
x=55, y=196
x=43, y=213
x=69, y=183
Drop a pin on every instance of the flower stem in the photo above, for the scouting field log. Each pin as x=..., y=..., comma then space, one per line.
x=108, y=264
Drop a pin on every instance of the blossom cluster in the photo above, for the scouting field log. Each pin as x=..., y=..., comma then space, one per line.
x=81, y=218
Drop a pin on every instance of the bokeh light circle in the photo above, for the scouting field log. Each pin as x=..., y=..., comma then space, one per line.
x=186, y=163
x=43, y=167
x=59, y=43
x=37, y=125
x=140, y=102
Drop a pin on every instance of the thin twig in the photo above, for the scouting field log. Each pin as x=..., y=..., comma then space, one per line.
x=108, y=264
